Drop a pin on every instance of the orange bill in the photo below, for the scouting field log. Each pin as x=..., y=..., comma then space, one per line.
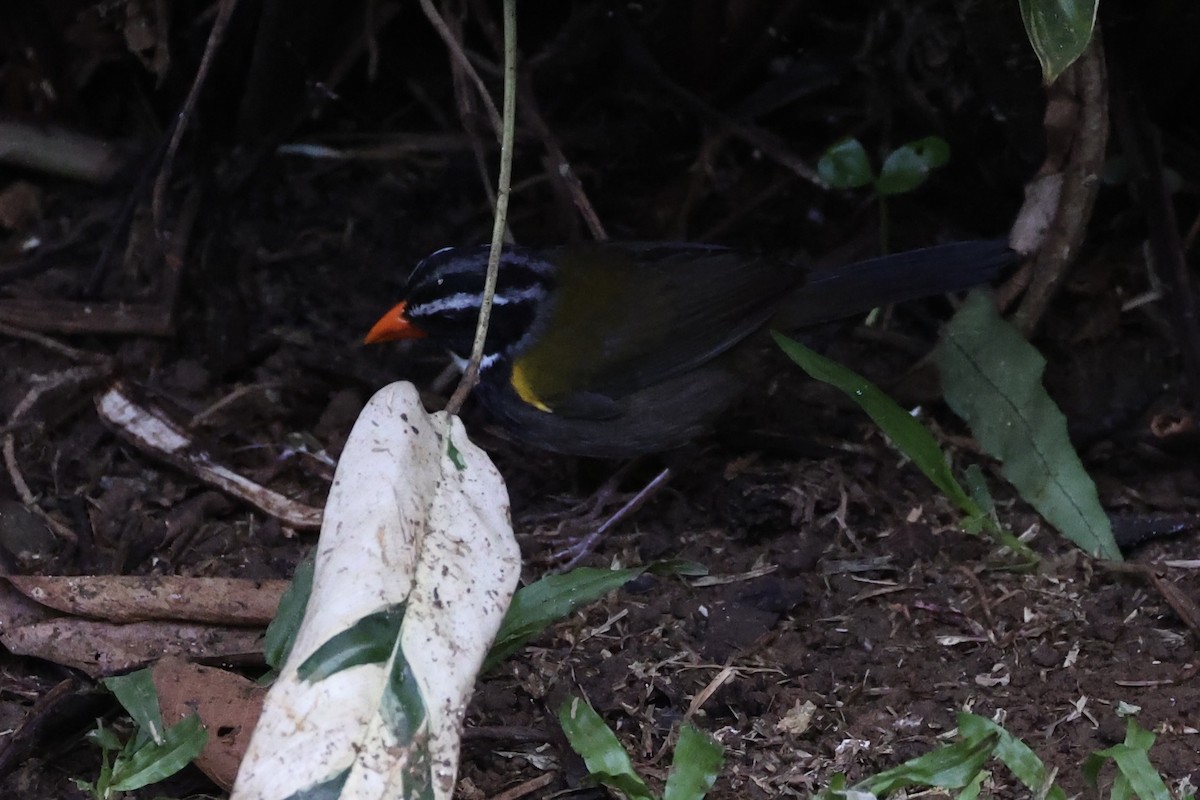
x=393, y=325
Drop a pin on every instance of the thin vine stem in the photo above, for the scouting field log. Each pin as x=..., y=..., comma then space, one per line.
x=503, y=190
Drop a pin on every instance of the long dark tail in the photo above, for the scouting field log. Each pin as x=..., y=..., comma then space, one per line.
x=838, y=292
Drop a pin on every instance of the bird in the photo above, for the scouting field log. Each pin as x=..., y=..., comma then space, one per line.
x=622, y=349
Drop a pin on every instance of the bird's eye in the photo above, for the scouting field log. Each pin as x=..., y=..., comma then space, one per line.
x=440, y=281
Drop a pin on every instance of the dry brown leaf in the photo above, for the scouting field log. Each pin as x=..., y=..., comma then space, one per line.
x=133, y=598
x=228, y=706
x=103, y=648
x=17, y=610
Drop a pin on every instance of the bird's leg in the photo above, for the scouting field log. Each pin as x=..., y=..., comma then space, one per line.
x=590, y=511
x=582, y=548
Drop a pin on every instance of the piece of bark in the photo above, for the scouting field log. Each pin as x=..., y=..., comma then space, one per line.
x=134, y=598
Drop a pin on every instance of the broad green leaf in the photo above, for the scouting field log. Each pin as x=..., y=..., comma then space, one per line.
x=845, y=165
x=136, y=693
x=694, y=767
x=909, y=165
x=974, y=787
x=537, y=606
x=991, y=377
x=954, y=766
x=600, y=750
x=908, y=435
x=152, y=763
x=1059, y=31
x=1013, y=753
x=1132, y=758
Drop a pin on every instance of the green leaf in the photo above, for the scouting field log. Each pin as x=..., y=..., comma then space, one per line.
x=977, y=486
x=1132, y=758
x=600, y=750
x=991, y=377
x=1013, y=753
x=909, y=165
x=538, y=605
x=104, y=738
x=974, y=786
x=136, y=693
x=1059, y=31
x=152, y=763
x=371, y=640
x=908, y=435
x=281, y=633
x=695, y=766
x=845, y=165
x=954, y=766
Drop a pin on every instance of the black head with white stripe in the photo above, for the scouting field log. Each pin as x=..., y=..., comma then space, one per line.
x=445, y=291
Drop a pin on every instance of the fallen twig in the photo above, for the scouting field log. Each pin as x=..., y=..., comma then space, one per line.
x=156, y=435
x=42, y=385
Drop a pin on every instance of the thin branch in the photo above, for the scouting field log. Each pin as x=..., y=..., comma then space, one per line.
x=460, y=58
x=503, y=190
x=158, y=197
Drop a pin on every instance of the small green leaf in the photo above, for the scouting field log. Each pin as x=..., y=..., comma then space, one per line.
x=136, y=693
x=991, y=377
x=694, y=767
x=845, y=165
x=908, y=435
x=281, y=633
x=1013, y=753
x=934, y=150
x=538, y=605
x=152, y=763
x=1132, y=758
x=600, y=750
x=909, y=165
x=1059, y=31
x=954, y=766
x=104, y=738
x=371, y=640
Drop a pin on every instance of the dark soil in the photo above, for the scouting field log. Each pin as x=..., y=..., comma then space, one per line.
x=846, y=619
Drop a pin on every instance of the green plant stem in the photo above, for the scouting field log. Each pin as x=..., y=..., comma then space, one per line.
x=504, y=187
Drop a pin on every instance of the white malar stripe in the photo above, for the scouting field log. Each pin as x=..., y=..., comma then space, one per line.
x=484, y=363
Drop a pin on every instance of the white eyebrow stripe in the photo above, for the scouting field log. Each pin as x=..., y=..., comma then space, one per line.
x=538, y=266
x=465, y=300
x=463, y=262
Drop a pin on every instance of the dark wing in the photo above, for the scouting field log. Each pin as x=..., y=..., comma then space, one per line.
x=630, y=316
